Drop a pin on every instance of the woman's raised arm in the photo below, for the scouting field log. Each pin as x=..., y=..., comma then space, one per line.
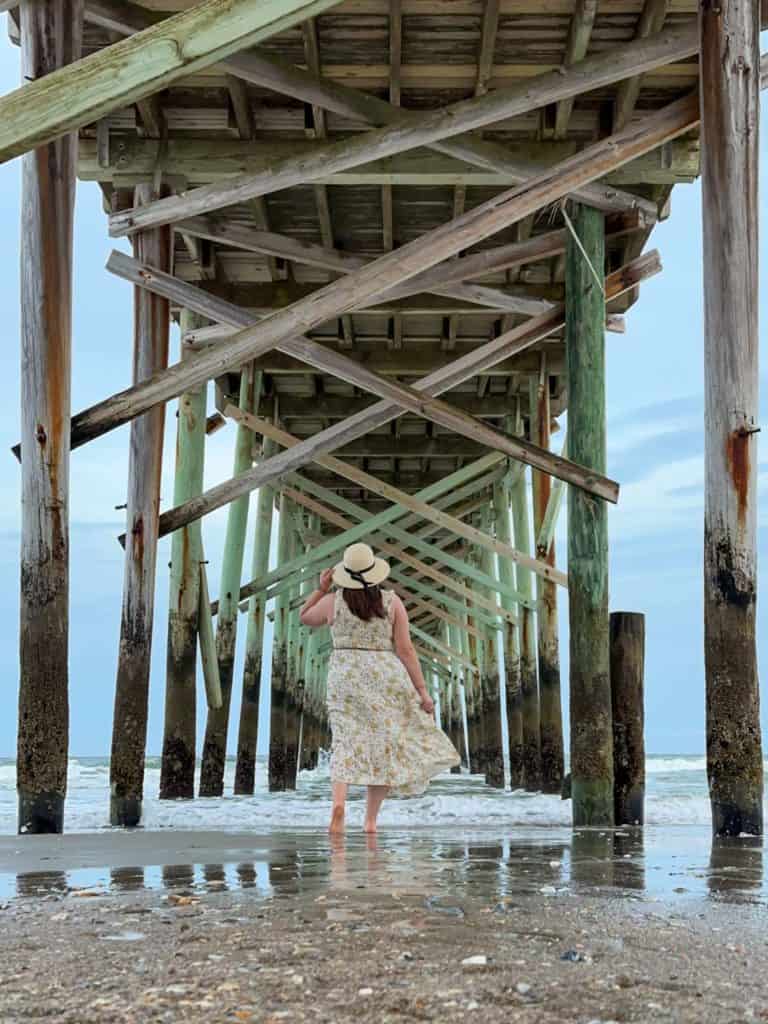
x=317, y=610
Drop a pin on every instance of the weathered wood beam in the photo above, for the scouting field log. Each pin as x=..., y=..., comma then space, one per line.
x=595, y=72
x=329, y=258
x=730, y=130
x=408, y=501
x=338, y=407
x=548, y=647
x=579, y=34
x=240, y=103
x=487, y=46
x=52, y=36
x=283, y=77
x=651, y=21
x=388, y=271
x=590, y=687
x=415, y=401
x=179, y=753
x=129, y=732
x=76, y=95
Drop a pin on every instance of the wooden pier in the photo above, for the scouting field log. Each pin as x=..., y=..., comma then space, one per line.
x=398, y=236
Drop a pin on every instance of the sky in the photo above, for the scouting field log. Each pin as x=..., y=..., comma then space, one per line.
x=655, y=450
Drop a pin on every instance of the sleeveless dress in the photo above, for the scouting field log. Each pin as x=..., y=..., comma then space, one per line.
x=381, y=736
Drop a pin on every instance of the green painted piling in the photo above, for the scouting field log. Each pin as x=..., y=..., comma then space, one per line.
x=177, y=770
x=277, y=768
x=590, y=686
x=248, y=731
x=550, y=708
x=529, y=679
x=217, y=725
x=511, y=644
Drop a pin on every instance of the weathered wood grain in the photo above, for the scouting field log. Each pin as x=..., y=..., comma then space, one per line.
x=730, y=129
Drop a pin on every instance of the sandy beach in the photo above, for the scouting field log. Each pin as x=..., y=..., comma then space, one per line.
x=537, y=925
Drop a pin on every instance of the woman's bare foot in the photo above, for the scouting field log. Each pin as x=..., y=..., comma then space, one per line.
x=370, y=828
x=336, y=826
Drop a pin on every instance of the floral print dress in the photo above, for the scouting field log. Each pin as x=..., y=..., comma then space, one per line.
x=381, y=736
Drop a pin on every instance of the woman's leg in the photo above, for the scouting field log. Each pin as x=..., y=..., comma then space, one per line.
x=339, y=797
x=375, y=799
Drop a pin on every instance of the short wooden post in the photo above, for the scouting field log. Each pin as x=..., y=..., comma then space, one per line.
x=529, y=682
x=277, y=779
x=550, y=709
x=511, y=643
x=129, y=730
x=729, y=71
x=494, y=772
x=248, y=732
x=590, y=684
x=627, y=636
x=177, y=771
x=217, y=723
x=51, y=36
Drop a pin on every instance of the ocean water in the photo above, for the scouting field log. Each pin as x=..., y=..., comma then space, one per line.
x=676, y=794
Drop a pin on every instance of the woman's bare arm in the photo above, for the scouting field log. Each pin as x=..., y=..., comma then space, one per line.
x=317, y=610
x=404, y=649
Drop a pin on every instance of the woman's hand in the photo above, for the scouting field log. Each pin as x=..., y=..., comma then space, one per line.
x=427, y=704
x=326, y=578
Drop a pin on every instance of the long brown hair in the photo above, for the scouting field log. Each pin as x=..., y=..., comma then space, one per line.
x=365, y=603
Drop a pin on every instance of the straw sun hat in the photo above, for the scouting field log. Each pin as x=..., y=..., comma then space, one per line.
x=360, y=568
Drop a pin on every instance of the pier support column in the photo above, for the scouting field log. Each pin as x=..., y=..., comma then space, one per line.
x=129, y=729
x=277, y=774
x=729, y=70
x=248, y=732
x=627, y=637
x=494, y=772
x=590, y=684
x=217, y=723
x=510, y=643
x=529, y=681
x=550, y=709
x=51, y=35
x=177, y=772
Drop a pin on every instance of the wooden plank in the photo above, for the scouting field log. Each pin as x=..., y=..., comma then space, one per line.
x=579, y=35
x=651, y=21
x=129, y=733
x=390, y=269
x=549, y=522
x=52, y=36
x=283, y=77
x=510, y=643
x=590, y=687
x=76, y=95
x=731, y=117
x=179, y=754
x=487, y=46
x=432, y=126
x=240, y=103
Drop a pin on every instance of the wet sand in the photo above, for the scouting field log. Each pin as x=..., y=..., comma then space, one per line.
x=539, y=925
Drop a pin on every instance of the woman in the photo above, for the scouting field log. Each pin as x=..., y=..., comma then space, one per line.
x=382, y=718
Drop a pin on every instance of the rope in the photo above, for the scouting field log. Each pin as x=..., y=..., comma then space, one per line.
x=577, y=240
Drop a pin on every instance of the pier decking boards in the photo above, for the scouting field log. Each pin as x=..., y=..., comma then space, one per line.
x=398, y=236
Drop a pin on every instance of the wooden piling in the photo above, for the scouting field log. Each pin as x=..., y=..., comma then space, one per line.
x=529, y=681
x=217, y=724
x=627, y=650
x=550, y=709
x=129, y=730
x=294, y=683
x=590, y=685
x=729, y=72
x=177, y=771
x=51, y=37
x=277, y=767
x=248, y=732
x=494, y=772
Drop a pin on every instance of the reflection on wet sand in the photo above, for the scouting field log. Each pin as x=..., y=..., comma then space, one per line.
x=625, y=863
